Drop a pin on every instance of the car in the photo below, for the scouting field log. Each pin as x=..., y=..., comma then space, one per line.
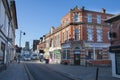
x=34, y=56
x=27, y=57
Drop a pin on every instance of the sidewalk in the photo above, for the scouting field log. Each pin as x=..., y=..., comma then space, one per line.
x=14, y=71
x=82, y=72
x=17, y=71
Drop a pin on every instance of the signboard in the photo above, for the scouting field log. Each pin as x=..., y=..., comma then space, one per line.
x=99, y=45
x=114, y=49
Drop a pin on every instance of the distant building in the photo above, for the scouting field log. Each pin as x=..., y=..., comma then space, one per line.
x=35, y=43
x=114, y=49
x=27, y=46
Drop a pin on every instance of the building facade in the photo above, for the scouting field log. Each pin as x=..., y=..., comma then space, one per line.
x=82, y=36
x=115, y=44
x=8, y=25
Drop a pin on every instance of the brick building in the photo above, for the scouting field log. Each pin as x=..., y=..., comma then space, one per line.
x=82, y=35
x=115, y=44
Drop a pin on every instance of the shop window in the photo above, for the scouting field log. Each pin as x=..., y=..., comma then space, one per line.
x=99, y=54
x=66, y=54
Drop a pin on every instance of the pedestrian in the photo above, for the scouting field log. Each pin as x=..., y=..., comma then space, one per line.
x=19, y=58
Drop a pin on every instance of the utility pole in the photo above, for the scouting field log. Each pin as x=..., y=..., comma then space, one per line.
x=21, y=37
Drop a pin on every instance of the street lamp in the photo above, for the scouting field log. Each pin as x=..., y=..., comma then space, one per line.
x=21, y=37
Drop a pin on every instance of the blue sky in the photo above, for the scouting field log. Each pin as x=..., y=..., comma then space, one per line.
x=35, y=17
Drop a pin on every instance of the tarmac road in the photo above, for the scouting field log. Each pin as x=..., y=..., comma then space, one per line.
x=41, y=72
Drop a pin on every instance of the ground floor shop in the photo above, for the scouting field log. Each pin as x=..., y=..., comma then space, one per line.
x=78, y=53
x=115, y=56
x=53, y=54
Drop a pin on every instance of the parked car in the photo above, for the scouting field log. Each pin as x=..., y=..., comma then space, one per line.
x=34, y=56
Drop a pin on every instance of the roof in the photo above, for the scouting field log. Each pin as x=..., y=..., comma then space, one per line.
x=113, y=19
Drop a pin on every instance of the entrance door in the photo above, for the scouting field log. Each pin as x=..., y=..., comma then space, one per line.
x=77, y=59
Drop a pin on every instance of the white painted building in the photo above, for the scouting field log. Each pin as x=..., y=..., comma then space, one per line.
x=8, y=25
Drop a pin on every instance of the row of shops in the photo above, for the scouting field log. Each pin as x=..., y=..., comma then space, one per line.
x=74, y=53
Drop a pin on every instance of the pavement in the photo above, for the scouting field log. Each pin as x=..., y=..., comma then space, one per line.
x=14, y=71
x=17, y=71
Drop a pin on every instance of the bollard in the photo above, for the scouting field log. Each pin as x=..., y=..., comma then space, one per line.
x=97, y=70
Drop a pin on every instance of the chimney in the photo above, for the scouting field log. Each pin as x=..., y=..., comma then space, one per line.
x=103, y=10
x=83, y=8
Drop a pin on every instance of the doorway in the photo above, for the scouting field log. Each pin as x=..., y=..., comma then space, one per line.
x=77, y=59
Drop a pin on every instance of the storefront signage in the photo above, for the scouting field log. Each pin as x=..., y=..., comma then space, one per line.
x=66, y=46
x=99, y=45
x=114, y=49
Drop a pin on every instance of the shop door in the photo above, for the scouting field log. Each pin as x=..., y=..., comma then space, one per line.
x=77, y=59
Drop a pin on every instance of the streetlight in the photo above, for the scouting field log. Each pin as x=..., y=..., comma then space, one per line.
x=21, y=37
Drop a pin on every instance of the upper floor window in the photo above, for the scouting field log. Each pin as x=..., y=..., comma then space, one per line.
x=67, y=21
x=57, y=40
x=76, y=18
x=98, y=19
x=89, y=17
x=76, y=34
x=67, y=35
x=109, y=35
x=90, y=34
x=63, y=37
x=51, y=43
x=99, y=34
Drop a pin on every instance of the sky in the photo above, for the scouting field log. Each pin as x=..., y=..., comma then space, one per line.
x=35, y=17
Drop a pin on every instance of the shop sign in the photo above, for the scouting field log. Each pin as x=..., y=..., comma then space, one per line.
x=114, y=49
x=77, y=52
x=57, y=51
x=66, y=46
x=100, y=45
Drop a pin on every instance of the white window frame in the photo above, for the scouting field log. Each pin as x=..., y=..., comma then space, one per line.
x=89, y=17
x=90, y=34
x=99, y=19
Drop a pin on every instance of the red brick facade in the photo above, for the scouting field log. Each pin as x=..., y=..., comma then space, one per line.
x=79, y=38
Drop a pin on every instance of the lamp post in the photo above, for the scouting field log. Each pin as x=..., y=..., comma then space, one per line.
x=21, y=37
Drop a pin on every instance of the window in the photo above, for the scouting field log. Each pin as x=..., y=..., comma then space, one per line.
x=63, y=37
x=51, y=43
x=89, y=17
x=76, y=34
x=67, y=35
x=67, y=21
x=66, y=54
x=108, y=36
x=98, y=19
x=57, y=40
x=76, y=18
x=99, y=35
x=90, y=34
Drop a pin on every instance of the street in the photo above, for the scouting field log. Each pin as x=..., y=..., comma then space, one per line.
x=41, y=72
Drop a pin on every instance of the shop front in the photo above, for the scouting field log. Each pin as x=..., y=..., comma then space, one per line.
x=97, y=53
x=71, y=53
x=115, y=56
